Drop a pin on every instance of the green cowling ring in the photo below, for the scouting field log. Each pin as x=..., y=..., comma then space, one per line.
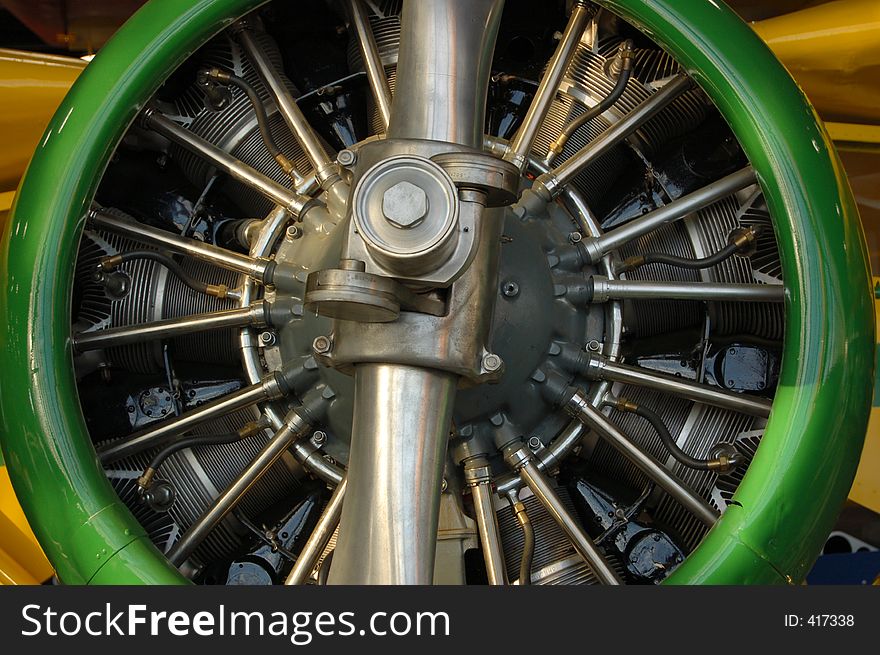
x=787, y=501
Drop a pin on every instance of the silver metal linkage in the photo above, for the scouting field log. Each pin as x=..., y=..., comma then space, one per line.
x=360, y=22
x=601, y=368
x=280, y=195
x=521, y=144
x=325, y=169
x=254, y=316
x=605, y=290
x=271, y=387
x=478, y=477
x=598, y=247
x=580, y=407
x=319, y=538
x=221, y=257
x=295, y=426
x=550, y=184
x=522, y=461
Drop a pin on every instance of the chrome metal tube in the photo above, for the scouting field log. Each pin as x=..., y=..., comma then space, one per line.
x=580, y=408
x=220, y=257
x=268, y=389
x=295, y=426
x=360, y=22
x=600, y=368
x=446, y=49
x=677, y=209
x=549, y=185
x=253, y=315
x=402, y=414
x=478, y=477
x=388, y=528
x=307, y=138
x=522, y=460
x=604, y=290
x=280, y=195
x=521, y=144
x=319, y=538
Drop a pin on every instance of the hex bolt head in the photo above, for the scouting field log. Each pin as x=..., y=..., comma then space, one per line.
x=510, y=289
x=404, y=205
x=593, y=346
x=293, y=233
x=346, y=157
x=321, y=345
x=267, y=338
x=319, y=437
x=491, y=362
x=575, y=237
x=535, y=443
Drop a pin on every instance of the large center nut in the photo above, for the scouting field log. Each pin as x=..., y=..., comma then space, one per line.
x=406, y=210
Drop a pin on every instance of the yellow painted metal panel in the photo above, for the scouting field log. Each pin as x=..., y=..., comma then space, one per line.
x=866, y=487
x=21, y=559
x=833, y=51
x=31, y=88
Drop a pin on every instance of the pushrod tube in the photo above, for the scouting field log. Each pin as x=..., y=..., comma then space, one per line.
x=253, y=316
x=360, y=21
x=677, y=209
x=319, y=538
x=522, y=460
x=290, y=200
x=479, y=478
x=580, y=407
x=268, y=389
x=605, y=290
x=307, y=138
x=550, y=184
x=220, y=257
x=521, y=144
x=601, y=368
x=295, y=426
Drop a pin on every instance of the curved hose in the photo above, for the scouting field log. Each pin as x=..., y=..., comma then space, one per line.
x=528, y=554
x=625, y=53
x=187, y=442
x=680, y=262
x=741, y=240
x=721, y=464
x=229, y=79
x=217, y=290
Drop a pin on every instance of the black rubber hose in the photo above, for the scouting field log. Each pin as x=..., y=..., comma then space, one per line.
x=189, y=442
x=657, y=423
x=259, y=110
x=740, y=240
x=596, y=110
x=167, y=262
x=726, y=252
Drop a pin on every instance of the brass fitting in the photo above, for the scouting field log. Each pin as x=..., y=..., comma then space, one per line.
x=745, y=239
x=217, y=290
x=286, y=165
x=111, y=262
x=146, y=479
x=631, y=263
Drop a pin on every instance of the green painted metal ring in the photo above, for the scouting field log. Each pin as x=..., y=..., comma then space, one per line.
x=804, y=467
